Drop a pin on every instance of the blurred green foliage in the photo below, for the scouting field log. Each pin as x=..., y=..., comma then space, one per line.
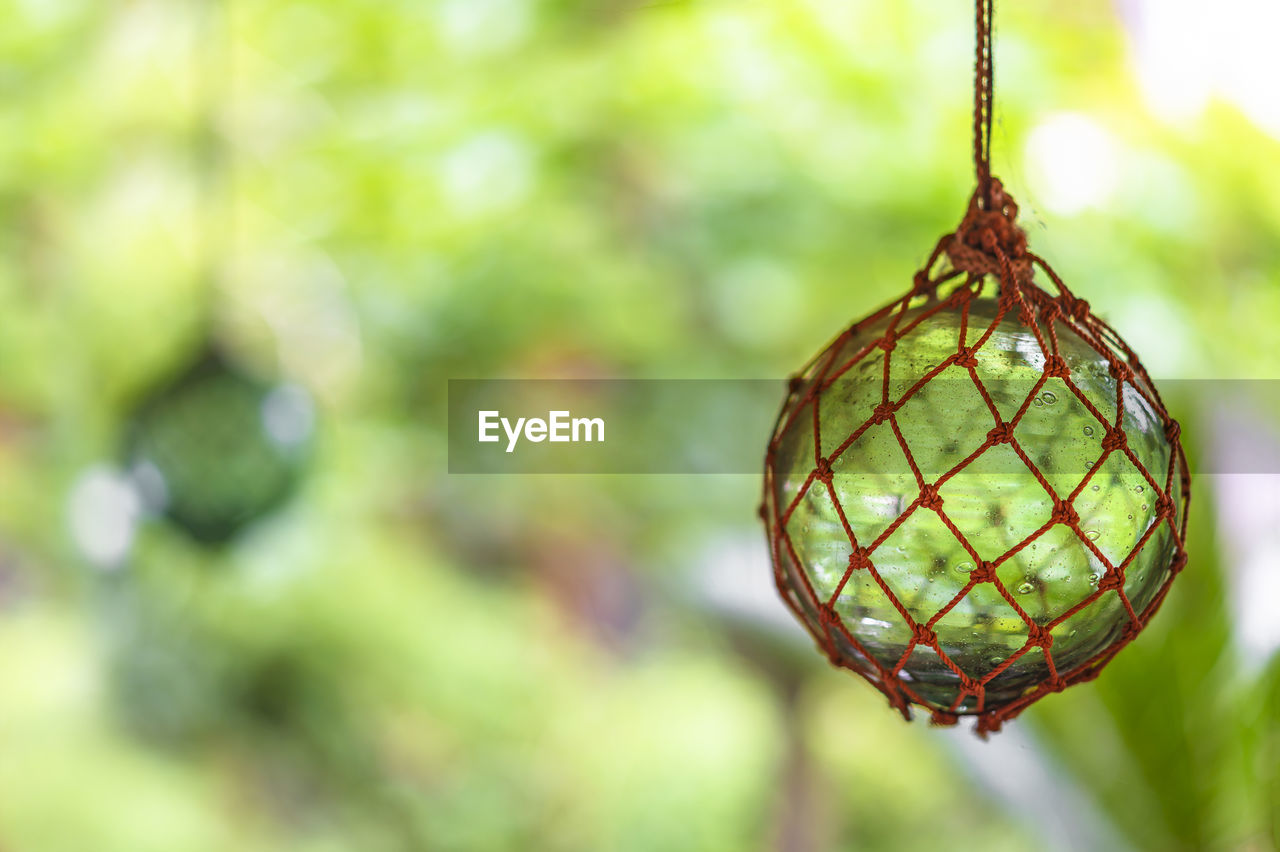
x=370, y=198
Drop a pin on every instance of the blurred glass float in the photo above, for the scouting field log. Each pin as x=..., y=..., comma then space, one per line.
x=219, y=448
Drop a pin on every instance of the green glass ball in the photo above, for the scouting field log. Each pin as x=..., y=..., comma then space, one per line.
x=217, y=448
x=971, y=564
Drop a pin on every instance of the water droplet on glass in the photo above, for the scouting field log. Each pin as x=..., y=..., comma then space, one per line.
x=1092, y=535
x=1095, y=488
x=965, y=567
x=1049, y=397
x=930, y=367
x=1131, y=517
x=1025, y=587
x=1144, y=507
x=1037, y=402
x=1138, y=490
x=1088, y=431
x=1094, y=579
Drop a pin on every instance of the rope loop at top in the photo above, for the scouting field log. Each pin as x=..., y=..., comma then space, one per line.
x=989, y=239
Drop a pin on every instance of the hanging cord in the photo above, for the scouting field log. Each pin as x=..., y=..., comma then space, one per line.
x=988, y=241
x=983, y=93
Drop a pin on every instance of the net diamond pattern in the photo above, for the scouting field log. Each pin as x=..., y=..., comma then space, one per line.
x=975, y=496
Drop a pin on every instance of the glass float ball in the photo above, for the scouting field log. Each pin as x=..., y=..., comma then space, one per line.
x=218, y=448
x=1046, y=535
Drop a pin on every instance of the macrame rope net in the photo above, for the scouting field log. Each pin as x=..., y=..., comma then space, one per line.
x=987, y=249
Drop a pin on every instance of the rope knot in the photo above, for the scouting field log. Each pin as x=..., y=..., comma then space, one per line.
x=994, y=227
x=1038, y=635
x=989, y=233
x=988, y=724
x=1077, y=308
x=1179, y=562
x=1115, y=439
x=887, y=343
x=823, y=470
x=1164, y=507
x=965, y=358
x=929, y=497
x=1110, y=580
x=881, y=413
x=1064, y=513
x=1172, y=431
x=943, y=719
x=1001, y=434
x=922, y=635
x=795, y=383
x=859, y=559
x=1120, y=372
x=1055, y=367
x=1055, y=684
x=984, y=573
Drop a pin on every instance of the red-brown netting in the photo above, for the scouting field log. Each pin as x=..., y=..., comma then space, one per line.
x=975, y=496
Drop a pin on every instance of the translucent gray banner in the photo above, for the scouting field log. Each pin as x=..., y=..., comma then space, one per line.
x=647, y=426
